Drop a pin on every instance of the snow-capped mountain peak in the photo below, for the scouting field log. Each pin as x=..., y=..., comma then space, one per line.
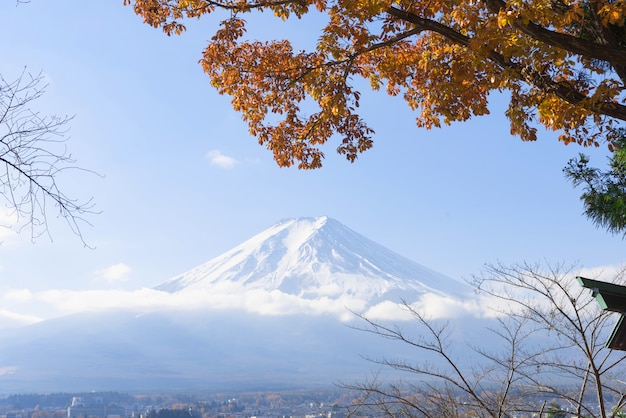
x=313, y=258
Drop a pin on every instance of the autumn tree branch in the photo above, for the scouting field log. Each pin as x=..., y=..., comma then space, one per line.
x=574, y=44
x=541, y=80
x=563, y=63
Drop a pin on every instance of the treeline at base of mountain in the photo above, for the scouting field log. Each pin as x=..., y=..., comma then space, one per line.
x=336, y=403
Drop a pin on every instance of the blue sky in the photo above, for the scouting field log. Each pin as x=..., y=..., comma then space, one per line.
x=182, y=181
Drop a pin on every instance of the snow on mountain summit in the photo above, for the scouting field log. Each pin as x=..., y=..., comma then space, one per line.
x=314, y=258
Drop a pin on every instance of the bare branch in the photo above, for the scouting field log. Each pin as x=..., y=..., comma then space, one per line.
x=33, y=156
x=548, y=355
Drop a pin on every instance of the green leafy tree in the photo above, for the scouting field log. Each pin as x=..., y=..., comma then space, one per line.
x=555, y=411
x=177, y=412
x=604, y=192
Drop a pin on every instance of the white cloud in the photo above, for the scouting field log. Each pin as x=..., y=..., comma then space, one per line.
x=24, y=306
x=7, y=370
x=610, y=273
x=431, y=305
x=58, y=302
x=9, y=319
x=388, y=311
x=218, y=159
x=116, y=273
x=18, y=295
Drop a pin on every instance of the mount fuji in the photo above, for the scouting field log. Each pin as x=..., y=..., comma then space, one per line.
x=315, y=257
x=271, y=312
x=312, y=260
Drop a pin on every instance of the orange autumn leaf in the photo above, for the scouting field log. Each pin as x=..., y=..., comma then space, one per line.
x=563, y=64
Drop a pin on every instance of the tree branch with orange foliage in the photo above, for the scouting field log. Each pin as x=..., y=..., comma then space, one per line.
x=562, y=62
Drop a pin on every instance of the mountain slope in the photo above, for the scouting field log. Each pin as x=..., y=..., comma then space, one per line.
x=207, y=351
x=311, y=268
x=316, y=257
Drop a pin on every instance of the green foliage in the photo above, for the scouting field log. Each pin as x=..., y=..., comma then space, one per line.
x=619, y=414
x=555, y=411
x=170, y=413
x=604, y=195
